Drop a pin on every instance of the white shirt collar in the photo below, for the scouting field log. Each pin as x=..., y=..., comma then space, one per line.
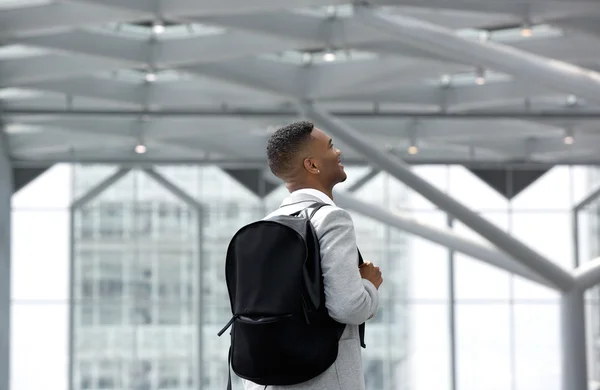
x=316, y=193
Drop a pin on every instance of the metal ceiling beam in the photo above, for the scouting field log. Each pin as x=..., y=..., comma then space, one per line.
x=99, y=88
x=200, y=92
x=532, y=68
x=52, y=67
x=327, y=85
x=281, y=79
x=447, y=238
x=347, y=78
x=14, y=109
x=136, y=51
x=187, y=8
x=224, y=161
x=58, y=15
x=544, y=11
x=488, y=254
x=160, y=53
x=587, y=275
x=513, y=247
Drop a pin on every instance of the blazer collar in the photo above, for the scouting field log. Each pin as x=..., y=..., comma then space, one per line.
x=307, y=195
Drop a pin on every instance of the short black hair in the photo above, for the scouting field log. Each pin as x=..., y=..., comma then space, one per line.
x=285, y=143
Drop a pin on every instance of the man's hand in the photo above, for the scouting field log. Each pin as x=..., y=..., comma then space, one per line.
x=371, y=273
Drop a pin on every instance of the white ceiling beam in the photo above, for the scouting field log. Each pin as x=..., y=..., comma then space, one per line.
x=339, y=79
x=226, y=46
x=58, y=16
x=201, y=92
x=160, y=53
x=587, y=24
x=93, y=44
x=450, y=97
x=51, y=67
x=93, y=87
x=185, y=8
x=351, y=33
x=180, y=94
x=216, y=48
x=143, y=6
x=499, y=136
x=73, y=145
x=545, y=11
x=279, y=78
x=544, y=71
x=66, y=134
x=193, y=93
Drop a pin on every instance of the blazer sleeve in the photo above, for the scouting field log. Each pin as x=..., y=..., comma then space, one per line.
x=348, y=298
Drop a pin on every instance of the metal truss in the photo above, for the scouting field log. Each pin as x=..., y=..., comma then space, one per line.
x=88, y=81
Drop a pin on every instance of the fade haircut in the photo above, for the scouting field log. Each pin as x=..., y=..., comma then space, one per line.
x=285, y=144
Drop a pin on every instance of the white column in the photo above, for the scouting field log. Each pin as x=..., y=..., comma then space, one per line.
x=574, y=357
x=6, y=189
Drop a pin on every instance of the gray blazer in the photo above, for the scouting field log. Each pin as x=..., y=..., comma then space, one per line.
x=349, y=298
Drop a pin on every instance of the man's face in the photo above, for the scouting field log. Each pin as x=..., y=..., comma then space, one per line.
x=327, y=158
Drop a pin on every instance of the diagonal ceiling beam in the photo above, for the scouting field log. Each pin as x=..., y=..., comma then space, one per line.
x=546, y=11
x=486, y=253
x=93, y=44
x=216, y=48
x=190, y=93
x=49, y=67
x=181, y=93
x=58, y=16
x=160, y=53
x=513, y=247
x=279, y=78
x=93, y=87
x=186, y=8
x=532, y=68
x=339, y=79
x=448, y=238
x=149, y=7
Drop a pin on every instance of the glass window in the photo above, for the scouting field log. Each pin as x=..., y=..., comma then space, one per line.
x=483, y=346
x=109, y=313
x=169, y=313
x=142, y=215
x=110, y=288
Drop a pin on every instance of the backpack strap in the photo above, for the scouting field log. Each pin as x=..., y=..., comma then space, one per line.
x=318, y=204
x=361, y=327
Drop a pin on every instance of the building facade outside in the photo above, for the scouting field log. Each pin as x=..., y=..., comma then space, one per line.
x=149, y=287
x=469, y=326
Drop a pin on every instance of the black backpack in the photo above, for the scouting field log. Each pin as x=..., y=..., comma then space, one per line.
x=282, y=333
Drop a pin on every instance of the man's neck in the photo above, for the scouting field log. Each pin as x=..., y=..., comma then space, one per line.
x=299, y=186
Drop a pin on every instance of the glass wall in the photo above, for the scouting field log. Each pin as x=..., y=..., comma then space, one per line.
x=149, y=292
x=589, y=248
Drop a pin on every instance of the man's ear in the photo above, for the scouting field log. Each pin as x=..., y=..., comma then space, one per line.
x=311, y=166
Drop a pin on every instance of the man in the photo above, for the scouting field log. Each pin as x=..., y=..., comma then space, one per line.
x=305, y=158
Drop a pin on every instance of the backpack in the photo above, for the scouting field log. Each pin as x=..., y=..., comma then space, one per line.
x=281, y=331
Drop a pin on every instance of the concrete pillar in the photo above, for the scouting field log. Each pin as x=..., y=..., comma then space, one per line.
x=6, y=190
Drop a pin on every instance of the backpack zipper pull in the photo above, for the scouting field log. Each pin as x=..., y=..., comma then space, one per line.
x=228, y=325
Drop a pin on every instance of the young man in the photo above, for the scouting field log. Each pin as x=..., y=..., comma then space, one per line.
x=305, y=158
